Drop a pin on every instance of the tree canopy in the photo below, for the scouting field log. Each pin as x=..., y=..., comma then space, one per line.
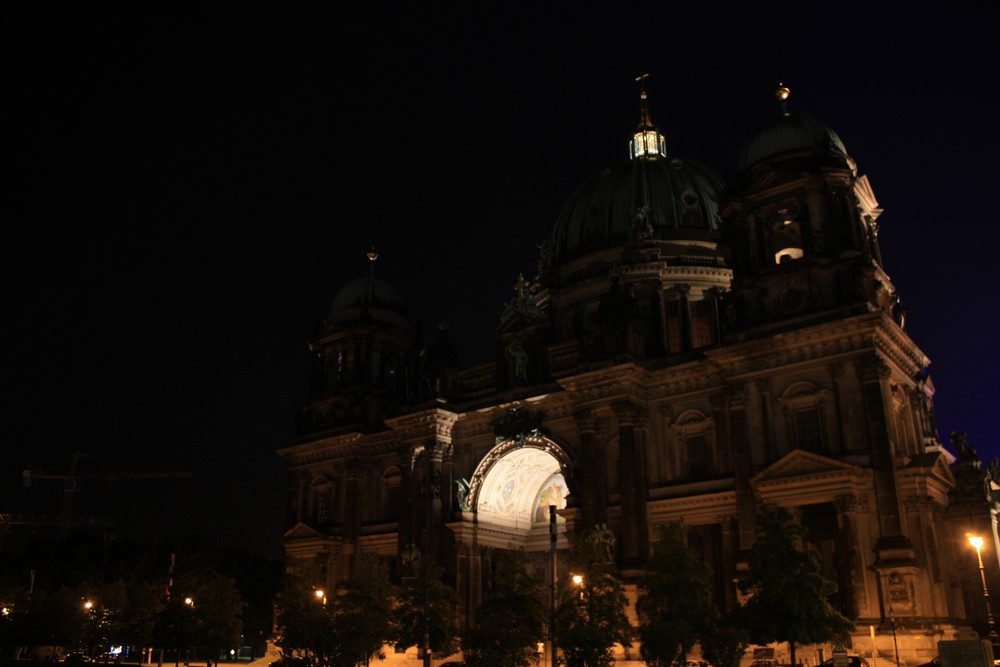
x=787, y=594
x=675, y=605
x=441, y=608
x=510, y=621
x=590, y=618
x=88, y=593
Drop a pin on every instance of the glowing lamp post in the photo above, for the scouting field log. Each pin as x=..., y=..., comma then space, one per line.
x=977, y=543
x=578, y=582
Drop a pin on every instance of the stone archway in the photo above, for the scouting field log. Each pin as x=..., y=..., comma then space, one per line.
x=514, y=485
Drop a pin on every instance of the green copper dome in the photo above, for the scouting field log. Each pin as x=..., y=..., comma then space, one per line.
x=793, y=133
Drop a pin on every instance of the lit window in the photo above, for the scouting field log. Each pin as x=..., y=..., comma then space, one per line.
x=787, y=254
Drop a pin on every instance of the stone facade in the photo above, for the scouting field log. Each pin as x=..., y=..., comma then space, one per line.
x=689, y=350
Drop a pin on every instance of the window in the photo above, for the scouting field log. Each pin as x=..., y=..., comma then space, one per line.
x=786, y=236
x=807, y=412
x=697, y=455
x=808, y=431
x=322, y=492
x=391, y=479
x=696, y=441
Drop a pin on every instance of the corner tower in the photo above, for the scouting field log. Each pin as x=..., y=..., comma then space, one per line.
x=365, y=355
x=805, y=224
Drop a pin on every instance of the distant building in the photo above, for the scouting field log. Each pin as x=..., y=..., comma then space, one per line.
x=689, y=349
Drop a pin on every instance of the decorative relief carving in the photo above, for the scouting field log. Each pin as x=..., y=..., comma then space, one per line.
x=518, y=424
x=602, y=539
x=899, y=590
x=462, y=494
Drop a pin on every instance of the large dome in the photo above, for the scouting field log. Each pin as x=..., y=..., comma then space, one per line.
x=663, y=198
x=368, y=290
x=793, y=133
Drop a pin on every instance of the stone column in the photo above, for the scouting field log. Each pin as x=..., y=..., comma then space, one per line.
x=435, y=487
x=685, y=315
x=352, y=515
x=634, y=514
x=742, y=465
x=852, y=567
x=407, y=504
x=891, y=543
x=727, y=523
x=590, y=472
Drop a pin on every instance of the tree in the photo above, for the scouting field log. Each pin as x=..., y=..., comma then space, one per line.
x=787, y=593
x=363, y=621
x=304, y=620
x=441, y=607
x=675, y=604
x=725, y=644
x=217, y=607
x=590, y=618
x=509, y=622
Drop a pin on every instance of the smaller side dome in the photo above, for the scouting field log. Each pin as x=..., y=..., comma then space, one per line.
x=792, y=132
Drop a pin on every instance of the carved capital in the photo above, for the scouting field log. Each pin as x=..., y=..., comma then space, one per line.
x=586, y=420
x=920, y=504
x=353, y=471
x=630, y=414
x=848, y=503
x=874, y=370
x=737, y=393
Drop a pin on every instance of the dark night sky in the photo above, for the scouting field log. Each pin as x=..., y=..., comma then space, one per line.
x=186, y=192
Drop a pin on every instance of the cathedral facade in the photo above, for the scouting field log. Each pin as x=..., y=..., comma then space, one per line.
x=690, y=350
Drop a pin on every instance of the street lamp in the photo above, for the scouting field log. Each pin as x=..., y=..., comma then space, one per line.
x=977, y=543
x=320, y=595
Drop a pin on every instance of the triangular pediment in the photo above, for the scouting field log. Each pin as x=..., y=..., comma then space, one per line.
x=932, y=464
x=301, y=531
x=800, y=463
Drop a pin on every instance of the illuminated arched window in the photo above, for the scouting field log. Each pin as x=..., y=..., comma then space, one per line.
x=786, y=236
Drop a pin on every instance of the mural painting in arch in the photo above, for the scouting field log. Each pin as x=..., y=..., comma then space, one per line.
x=514, y=485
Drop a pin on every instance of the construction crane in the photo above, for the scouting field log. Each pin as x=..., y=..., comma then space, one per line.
x=65, y=519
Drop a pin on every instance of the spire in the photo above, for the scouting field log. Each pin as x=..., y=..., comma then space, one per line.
x=369, y=294
x=647, y=141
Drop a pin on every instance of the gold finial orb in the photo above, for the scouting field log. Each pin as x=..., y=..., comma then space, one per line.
x=782, y=92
